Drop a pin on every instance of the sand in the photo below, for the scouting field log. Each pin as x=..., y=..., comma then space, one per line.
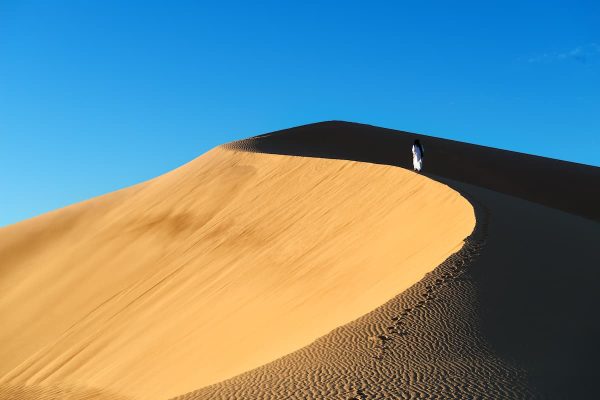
x=512, y=315
x=311, y=263
x=224, y=265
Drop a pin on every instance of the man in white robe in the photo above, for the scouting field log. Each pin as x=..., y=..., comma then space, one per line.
x=417, y=151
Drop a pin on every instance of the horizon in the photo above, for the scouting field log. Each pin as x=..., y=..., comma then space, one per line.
x=98, y=97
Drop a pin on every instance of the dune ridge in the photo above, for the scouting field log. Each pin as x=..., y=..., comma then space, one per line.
x=510, y=316
x=225, y=264
x=563, y=185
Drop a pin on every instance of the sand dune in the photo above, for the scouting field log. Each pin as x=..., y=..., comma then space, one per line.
x=304, y=264
x=223, y=265
x=510, y=316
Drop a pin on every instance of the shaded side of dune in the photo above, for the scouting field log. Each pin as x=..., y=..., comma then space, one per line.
x=511, y=316
x=537, y=292
x=559, y=184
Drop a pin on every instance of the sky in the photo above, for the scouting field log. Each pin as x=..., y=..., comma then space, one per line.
x=99, y=95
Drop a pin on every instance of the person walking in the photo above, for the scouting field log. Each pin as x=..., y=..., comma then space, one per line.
x=418, y=152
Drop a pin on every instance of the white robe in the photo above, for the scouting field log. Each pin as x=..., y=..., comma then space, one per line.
x=417, y=158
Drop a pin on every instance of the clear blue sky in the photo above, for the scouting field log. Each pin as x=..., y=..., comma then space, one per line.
x=99, y=95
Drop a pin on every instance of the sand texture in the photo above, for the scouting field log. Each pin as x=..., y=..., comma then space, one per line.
x=492, y=322
x=237, y=260
x=512, y=315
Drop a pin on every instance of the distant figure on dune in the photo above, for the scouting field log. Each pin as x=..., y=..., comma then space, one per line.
x=418, y=153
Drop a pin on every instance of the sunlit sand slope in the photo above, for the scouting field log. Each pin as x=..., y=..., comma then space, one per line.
x=218, y=267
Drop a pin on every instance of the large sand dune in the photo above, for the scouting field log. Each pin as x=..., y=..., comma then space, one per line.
x=223, y=265
x=512, y=315
x=213, y=281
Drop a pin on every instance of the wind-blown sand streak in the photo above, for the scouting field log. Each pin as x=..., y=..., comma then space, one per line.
x=216, y=268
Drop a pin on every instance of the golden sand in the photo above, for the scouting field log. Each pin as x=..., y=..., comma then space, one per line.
x=218, y=267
